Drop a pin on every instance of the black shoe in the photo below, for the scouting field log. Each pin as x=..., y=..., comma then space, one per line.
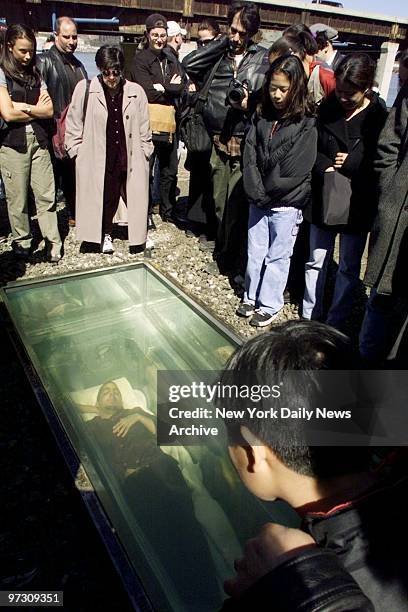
x=20, y=252
x=245, y=310
x=151, y=226
x=135, y=249
x=262, y=319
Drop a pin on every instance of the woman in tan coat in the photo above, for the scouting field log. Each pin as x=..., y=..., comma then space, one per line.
x=107, y=131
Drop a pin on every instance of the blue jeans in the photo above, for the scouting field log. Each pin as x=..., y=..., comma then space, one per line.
x=271, y=238
x=347, y=277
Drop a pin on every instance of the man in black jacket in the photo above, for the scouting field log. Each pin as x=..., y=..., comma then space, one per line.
x=236, y=57
x=157, y=70
x=387, y=309
x=61, y=71
x=348, y=508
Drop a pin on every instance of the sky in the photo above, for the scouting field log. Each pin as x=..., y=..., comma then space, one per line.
x=394, y=8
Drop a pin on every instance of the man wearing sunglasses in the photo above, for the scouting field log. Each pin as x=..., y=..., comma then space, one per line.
x=61, y=71
x=236, y=57
x=158, y=71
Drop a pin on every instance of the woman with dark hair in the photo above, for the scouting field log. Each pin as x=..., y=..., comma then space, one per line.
x=279, y=154
x=349, y=123
x=109, y=135
x=24, y=158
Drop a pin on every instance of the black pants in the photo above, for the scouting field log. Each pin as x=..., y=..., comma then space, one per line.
x=114, y=186
x=64, y=173
x=167, y=156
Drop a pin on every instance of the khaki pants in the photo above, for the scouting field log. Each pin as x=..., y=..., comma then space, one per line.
x=20, y=171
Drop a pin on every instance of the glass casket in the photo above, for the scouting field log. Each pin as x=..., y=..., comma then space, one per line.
x=179, y=514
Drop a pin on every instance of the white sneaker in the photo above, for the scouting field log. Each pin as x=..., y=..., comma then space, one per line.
x=149, y=243
x=107, y=246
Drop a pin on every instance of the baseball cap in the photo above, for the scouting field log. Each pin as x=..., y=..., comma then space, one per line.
x=156, y=21
x=331, y=33
x=173, y=28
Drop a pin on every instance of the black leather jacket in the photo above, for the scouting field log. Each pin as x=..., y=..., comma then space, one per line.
x=60, y=83
x=218, y=116
x=313, y=581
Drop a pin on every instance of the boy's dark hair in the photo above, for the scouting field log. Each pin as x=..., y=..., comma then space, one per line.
x=299, y=103
x=358, y=70
x=304, y=346
x=249, y=15
x=211, y=25
x=110, y=57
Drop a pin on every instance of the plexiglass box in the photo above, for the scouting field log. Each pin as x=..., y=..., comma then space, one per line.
x=179, y=514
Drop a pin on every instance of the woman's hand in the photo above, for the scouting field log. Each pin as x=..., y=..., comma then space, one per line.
x=175, y=79
x=158, y=87
x=44, y=99
x=339, y=160
x=330, y=169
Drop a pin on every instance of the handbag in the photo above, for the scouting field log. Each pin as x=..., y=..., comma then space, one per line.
x=336, y=197
x=162, y=122
x=193, y=132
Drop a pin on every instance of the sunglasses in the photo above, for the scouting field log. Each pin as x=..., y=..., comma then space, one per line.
x=203, y=43
x=111, y=72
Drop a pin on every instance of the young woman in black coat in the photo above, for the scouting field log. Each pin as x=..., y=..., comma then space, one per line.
x=279, y=154
x=349, y=124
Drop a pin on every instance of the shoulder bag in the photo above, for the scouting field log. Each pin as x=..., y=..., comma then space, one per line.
x=336, y=197
x=193, y=132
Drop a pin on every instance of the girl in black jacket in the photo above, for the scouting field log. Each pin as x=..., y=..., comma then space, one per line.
x=349, y=124
x=279, y=154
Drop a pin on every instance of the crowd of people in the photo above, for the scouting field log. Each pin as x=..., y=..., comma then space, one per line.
x=298, y=155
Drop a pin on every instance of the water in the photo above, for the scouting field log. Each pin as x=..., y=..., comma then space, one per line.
x=393, y=90
x=88, y=60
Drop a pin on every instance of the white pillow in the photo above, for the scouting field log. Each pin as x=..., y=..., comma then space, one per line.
x=131, y=397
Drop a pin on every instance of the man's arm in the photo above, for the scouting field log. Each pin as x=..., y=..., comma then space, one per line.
x=284, y=571
x=198, y=63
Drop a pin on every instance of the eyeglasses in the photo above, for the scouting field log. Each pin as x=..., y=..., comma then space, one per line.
x=111, y=72
x=161, y=36
x=204, y=42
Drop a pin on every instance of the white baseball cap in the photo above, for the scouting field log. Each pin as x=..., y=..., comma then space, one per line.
x=173, y=29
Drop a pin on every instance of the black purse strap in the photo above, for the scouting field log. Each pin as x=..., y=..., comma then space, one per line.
x=203, y=95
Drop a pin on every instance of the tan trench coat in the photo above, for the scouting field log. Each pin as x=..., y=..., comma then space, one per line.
x=87, y=142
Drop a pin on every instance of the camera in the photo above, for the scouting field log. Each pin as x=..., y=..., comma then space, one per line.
x=237, y=91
